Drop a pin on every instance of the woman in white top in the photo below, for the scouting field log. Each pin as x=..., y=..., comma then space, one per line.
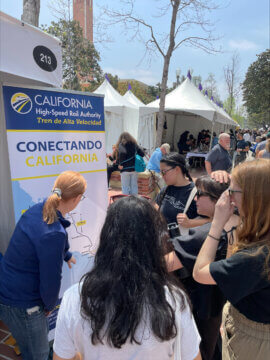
x=128, y=306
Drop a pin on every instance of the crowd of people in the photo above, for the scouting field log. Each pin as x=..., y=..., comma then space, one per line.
x=168, y=274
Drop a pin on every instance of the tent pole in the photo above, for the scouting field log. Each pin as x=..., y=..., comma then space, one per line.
x=174, y=125
x=213, y=123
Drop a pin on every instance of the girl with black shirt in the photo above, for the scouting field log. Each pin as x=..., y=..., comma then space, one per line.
x=127, y=148
x=243, y=278
x=207, y=301
x=172, y=199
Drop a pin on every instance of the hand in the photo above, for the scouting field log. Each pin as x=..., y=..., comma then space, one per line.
x=221, y=176
x=223, y=210
x=72, y=260
x=183, y=220
x=120, y=167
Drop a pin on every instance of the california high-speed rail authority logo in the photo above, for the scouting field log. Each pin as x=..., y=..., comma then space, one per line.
x=21, y=103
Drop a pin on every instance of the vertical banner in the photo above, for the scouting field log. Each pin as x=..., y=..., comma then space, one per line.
x=49, y=132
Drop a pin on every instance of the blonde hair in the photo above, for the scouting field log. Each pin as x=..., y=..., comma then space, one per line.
x=68, y=185
x=267, y=145
x=253, y=177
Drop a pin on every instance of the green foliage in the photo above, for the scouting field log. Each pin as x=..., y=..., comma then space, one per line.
x=229, y=105
x=256, y=90
x=237, y=113
x=114, y=80
x=79, y=57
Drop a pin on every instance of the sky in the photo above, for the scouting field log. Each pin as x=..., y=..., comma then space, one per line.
x=242, y=25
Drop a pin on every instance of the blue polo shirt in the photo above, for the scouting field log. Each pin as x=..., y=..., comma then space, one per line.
x=219, y=158
x=31, y=269
x=154, y=161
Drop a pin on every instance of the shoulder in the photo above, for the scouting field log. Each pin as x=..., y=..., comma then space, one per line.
x=177, y=299
x=71, y=300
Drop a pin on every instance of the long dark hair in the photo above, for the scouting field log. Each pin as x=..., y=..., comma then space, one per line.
x=174, y=159
x=127, y=283
x=125, y=138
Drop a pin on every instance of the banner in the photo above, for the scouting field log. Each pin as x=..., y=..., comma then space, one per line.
x=50, y=131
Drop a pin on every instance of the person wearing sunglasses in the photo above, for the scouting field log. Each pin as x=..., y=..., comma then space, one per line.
x=207, y=301
x=172, y=198
x=243, y=278
x=31, y=269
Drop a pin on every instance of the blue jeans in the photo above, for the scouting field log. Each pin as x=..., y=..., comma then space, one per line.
x=129, y=182
x=29, y=330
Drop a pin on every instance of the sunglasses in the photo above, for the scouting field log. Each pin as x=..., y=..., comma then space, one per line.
x=164, y=172
x=231, y=191
x=200, y=193
x=83, y=197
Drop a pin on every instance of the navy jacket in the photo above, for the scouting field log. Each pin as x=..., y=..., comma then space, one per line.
x=31, y=269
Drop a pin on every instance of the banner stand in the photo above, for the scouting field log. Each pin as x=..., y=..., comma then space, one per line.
x=43, y=133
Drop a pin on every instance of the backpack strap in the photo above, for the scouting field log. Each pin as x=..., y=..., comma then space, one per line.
x=190, y=198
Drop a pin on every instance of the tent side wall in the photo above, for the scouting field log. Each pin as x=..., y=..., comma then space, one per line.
x=113, y=127
x=147, y=129
x=131, y=121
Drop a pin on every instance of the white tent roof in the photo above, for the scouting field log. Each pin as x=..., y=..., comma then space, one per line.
x=28, y=54
x=133, y=99
x=186, y=97
x=120, y=114
x=112, y=96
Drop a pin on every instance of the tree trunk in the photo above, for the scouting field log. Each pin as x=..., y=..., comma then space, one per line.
x=31, y=10
x=167, y=58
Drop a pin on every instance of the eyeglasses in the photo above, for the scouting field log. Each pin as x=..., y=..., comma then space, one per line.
x=231, y=191
x=83, y=197
x=200, y=193
x=164, y=172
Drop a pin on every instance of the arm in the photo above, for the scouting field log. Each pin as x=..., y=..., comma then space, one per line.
x=140, y=151
x=50, y=253
x=172, y=261
x=208, y=167
x=76, y=357
x=223, y=211
x=184, y=221
x=260, y=154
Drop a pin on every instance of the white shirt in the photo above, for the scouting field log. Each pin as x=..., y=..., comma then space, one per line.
x=73, y=334
x=247, y=137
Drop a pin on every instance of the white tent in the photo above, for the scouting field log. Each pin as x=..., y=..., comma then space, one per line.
x=28, y=57
x=129, y=96
x=120, y=114
x=186, y=108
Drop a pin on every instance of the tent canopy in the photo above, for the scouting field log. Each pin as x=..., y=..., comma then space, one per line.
x=187, y=98
x=133, y=99
x=120, y=114
x=186, y=108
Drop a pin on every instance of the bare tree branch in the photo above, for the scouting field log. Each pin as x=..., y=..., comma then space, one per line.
x=189, y=25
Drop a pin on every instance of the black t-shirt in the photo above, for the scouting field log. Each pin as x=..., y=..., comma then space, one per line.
x=207, y=300
x=174, y=202
x=127, y=154
x=242, y=280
